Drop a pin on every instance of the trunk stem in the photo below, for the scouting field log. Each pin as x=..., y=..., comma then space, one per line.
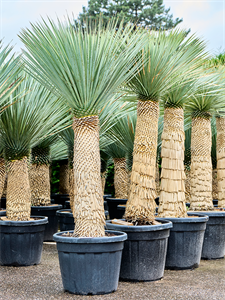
x=64, y=178
x=89, y=214
x=141, y=205
x=220, y=153
x=40, y=185
x=172, y=195
x=18, y=205
x=120, y=178
x=201, y=165
x=2, y=175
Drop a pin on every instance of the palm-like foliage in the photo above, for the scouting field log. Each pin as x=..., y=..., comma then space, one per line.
x=85, y=66
x=58, y=150
x=30, y=119
x=10, y=67
x=206, y=97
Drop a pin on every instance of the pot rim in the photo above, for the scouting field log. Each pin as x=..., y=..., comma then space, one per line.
x=48, y=207
x=43, y=220
x=211, y=213
x=167, y=224
x=202, y=218
x=61, y=212
x=120, y=237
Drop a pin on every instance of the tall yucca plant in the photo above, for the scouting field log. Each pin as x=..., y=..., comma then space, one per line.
x=22, y=125
x=165, y=56
x=220, y=146
x=86, y=66
x=204, y=102
x=172, y=195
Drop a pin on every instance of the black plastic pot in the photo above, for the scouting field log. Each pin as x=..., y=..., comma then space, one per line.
x=50, y=212
x=215, y=202
x=65, y=219
x=214, y=240
x=185, y=242
x=107, y=196
x=2, y=213
x=121, y=209
x=90, y=265
x=3, y=202
x=60, y=198
x=144, y=251
x=112, y=207
x=21, y=241
x=67, y=204
x=157, y=201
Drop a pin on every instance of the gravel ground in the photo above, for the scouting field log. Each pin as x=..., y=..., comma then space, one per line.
x=44, y=282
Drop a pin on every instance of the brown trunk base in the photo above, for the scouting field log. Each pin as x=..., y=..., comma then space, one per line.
x=18, y=204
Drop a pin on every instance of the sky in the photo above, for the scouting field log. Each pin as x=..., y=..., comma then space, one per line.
x=206, y=18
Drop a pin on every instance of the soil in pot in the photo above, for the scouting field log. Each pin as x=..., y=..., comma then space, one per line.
x=21, y=241
x=50, y=212
x=214, y=239
x=144, y=251
x=90, y=266
x=185, y=242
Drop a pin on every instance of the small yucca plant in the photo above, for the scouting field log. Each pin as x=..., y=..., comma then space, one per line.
x=27, y=120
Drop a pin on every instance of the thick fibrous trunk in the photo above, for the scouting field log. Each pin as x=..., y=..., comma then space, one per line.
x=18, y=204
x=187, y=184
x=2, y=175
x=141, y=205
x=88, y=198
x=40, y=185
x=71, y=193
x=201, y=165
x=215, y=184
x=103, y=179
x=172, y=195
x=64, y=178
x=120, y=178
x=157, y=181
x=220, y=153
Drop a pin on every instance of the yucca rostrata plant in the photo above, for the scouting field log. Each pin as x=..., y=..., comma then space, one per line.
x=152, y=81
x=172, y=195
x=205, y=101
x=86, y=66
x=220, y=147
x=23, y=124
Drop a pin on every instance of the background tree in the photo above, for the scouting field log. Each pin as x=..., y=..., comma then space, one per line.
x=151, y=13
